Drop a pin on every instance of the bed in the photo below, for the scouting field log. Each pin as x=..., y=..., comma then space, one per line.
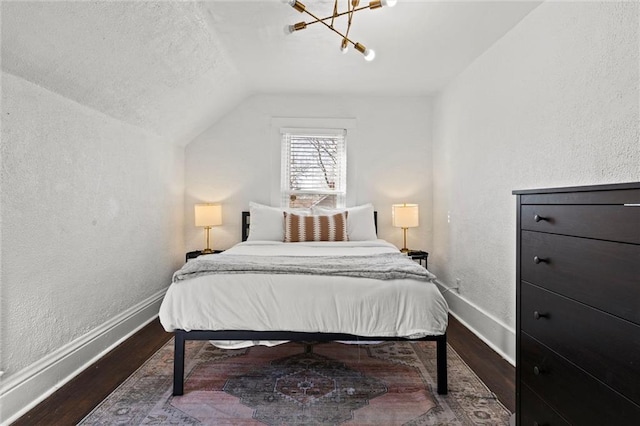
x=238, y=309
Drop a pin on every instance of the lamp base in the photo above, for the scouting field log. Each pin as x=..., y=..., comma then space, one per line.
x=208, y=249
x=404, y=248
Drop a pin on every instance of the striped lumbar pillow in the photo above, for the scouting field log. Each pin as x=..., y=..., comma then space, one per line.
x=315, y=228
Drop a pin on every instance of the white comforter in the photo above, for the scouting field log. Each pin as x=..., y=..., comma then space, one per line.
x=262, y=302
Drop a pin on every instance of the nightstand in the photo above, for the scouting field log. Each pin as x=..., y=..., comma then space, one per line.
x=194, y=254
x=419, y=255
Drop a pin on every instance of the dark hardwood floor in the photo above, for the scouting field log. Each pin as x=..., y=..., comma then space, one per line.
x=72, y=402
x=77, y=398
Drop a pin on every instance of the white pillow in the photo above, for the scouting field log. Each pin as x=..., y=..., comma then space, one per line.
x=267, y=223
x=360, y=223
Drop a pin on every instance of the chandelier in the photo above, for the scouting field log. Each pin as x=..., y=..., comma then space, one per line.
x=353, y=6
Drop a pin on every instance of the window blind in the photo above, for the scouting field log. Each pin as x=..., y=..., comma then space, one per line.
x=313, y=168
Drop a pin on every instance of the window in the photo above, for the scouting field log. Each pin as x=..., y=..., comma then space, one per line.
x=314, y=168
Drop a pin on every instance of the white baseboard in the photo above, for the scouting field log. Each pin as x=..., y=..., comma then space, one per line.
x=500, y=337
x=27, y=388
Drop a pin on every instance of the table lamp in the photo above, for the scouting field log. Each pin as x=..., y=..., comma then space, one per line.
x=405, y=216
x=208, y=215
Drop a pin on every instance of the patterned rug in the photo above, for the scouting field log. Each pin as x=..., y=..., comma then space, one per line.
x=387, y=384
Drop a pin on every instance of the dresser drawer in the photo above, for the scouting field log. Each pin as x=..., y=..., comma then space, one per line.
x=605, y=346
x=605, y=222
x=626, y=193
x=575, y=395
x=602, y=274
x=534, y=410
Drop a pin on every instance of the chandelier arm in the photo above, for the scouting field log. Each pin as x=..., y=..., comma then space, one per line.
x=329, y=26
x=349, y=21
x=332, y=16
x=335, y=12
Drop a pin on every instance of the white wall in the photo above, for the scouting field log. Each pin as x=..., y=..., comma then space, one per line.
x=553, y=103
x=389, y=159
x=92, y=227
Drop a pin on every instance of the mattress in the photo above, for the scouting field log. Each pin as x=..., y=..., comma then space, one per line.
x=305, y=303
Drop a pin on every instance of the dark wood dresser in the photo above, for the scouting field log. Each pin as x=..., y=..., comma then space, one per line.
x=578, y=306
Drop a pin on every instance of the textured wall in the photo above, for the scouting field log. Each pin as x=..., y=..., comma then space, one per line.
x=389, y=160
x=553, y=103
x=157, y=65
x=91, y=219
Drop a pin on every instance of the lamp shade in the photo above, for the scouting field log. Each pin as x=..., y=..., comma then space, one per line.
x=405, y=215
x=208, y=214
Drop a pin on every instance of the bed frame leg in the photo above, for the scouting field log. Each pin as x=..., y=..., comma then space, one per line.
x=441, y=360
x=178, y=364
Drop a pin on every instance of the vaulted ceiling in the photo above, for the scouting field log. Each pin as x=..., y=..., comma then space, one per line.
x=175, y=67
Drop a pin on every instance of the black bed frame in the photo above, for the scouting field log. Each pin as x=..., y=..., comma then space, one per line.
x=182, y=336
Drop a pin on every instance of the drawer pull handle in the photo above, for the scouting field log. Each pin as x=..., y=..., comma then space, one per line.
x=537, y=315
x=537, y=371
x=538, y=218
x=537, y=260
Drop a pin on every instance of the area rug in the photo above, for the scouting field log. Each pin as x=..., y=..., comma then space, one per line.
x=392, y=383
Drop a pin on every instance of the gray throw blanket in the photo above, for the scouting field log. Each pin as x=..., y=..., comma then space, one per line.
x=387, y=266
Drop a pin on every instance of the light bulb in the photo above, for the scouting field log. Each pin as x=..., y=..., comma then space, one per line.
x=344, y=47
x=288, y=29
x=369, y=54
x=389, y=3
x=296, y=5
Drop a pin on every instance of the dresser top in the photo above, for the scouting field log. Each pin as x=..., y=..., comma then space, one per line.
x=589, y=188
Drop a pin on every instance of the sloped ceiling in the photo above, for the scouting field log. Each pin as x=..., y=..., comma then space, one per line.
x=175, y=67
